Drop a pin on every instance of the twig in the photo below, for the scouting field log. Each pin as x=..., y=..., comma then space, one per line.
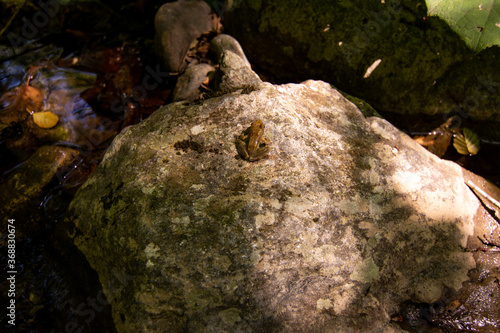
x=18, y=8
x=484, y=194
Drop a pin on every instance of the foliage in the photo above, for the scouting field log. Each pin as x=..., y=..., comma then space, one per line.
x=476, y=21
x=45, y=119
x=468, y=143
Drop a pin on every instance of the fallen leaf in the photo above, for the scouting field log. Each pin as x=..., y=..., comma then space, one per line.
x=216, y=24
x=467, y=143
x=205, y=85
x=199, y=48
x=22, y=98
x=439, y=139
x=45, y=119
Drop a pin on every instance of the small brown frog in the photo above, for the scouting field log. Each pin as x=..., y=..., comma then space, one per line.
x=251, y=144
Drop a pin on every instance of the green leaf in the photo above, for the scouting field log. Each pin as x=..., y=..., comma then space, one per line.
x=476, y=21
x=468, y=143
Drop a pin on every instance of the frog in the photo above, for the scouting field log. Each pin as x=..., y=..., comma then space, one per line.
x=251, y=144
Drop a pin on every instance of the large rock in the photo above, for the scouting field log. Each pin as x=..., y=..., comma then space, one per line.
x=344, y=220
x=425, y=69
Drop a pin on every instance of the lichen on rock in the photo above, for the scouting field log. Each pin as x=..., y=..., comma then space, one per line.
x=344, y=220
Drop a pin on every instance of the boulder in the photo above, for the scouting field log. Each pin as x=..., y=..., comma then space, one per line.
x=344, y=220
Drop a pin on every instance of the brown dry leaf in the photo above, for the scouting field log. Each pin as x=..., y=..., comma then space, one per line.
x=423, y=140
x=453, y=306
x=199, y=48
x=216, y=24
x=45, y=119
x=397, y=318
x=203, y=48
x=33, y=98
x=438, y=140
x=441, y=144
x=22, y=98
x=205, y=85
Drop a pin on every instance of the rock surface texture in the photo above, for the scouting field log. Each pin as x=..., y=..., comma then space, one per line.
x=345, y=219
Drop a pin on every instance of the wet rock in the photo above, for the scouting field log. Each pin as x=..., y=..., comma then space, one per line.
x=20, y=192
x=344, y=220
x=426, y=68
x=477, y=308
x=177, y=24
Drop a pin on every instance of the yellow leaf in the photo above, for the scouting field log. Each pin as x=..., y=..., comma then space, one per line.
x=45, y=119
x=472, y=140
x=460, y=144
x=467, y=143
